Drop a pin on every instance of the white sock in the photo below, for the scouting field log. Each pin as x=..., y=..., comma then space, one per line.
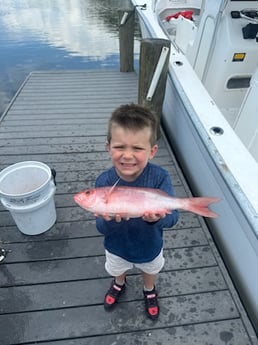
x=145, y=289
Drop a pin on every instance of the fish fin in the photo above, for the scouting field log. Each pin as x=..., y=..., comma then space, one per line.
x=110, y=191
x=200, y=205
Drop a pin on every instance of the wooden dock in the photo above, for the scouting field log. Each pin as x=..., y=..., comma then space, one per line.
x=52, y=285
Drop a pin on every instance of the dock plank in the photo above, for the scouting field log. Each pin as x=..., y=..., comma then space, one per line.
x=78, y=247
x=72, y=294
x=129, y=317
x=52, y=285
x=91, y=267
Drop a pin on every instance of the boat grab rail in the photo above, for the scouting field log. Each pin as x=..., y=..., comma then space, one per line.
x=250, y=14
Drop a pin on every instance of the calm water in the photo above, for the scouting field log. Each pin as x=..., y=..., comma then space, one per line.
x=55, y=34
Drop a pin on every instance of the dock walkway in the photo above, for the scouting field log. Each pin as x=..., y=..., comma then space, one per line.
x=52, y=285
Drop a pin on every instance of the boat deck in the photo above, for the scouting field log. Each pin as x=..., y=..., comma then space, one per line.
x=52, y=285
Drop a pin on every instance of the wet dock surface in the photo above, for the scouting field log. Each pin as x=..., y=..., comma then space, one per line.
x=52, y=285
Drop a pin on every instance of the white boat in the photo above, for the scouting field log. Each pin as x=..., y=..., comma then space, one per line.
x=210, y=116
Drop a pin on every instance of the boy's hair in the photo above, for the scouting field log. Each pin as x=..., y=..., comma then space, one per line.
x=134, y=117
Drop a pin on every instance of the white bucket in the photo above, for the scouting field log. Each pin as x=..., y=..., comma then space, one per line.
x=27, y=191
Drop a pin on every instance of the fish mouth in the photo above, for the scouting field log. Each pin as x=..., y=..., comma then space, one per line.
x=80, y=200
x=77, y=198
x=84, y=200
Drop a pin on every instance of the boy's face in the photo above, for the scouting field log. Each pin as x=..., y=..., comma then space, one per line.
x=130, y=151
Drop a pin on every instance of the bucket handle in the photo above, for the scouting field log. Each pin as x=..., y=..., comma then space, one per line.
x=53, y=172
x=3, y=254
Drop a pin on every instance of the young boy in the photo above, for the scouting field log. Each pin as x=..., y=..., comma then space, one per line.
x=131, y=143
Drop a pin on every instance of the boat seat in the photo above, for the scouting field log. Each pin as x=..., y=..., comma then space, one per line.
x=185, y=33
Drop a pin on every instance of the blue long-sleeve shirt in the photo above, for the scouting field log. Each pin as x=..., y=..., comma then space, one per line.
x=136, y=240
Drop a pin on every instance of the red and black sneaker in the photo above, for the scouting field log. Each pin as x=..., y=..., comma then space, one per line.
x=151, y=304
x=113, y=294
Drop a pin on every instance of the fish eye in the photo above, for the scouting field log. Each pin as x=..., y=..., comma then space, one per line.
x=87, y=192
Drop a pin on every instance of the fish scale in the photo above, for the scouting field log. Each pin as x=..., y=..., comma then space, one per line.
x=136, y=202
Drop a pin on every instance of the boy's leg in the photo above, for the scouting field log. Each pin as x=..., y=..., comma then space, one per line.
x=115, y=291
x=150, y=296
x=149, y=273
x=120, y=280
x=149, y=281
x=116, y=267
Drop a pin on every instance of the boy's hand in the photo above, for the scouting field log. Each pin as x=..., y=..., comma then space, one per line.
x=118, y=218
x=147, y=217
x=153, y=217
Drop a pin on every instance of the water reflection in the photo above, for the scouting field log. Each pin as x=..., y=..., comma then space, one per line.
x=55, y=34
x=71, y=25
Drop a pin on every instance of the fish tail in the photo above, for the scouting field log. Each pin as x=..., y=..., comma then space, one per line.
x=200, y=206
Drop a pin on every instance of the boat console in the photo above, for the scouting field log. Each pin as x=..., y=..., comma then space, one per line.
x=220, y=40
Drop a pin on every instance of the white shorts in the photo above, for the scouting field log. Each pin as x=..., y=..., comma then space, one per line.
x=116, y=265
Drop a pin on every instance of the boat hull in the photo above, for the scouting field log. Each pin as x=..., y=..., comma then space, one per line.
x=232, y=230
x=208, y=173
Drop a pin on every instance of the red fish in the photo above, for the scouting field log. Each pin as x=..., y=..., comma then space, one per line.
x=134, y=202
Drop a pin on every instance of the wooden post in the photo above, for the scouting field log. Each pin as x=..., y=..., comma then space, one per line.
x=154, y=59
x=126, y=39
